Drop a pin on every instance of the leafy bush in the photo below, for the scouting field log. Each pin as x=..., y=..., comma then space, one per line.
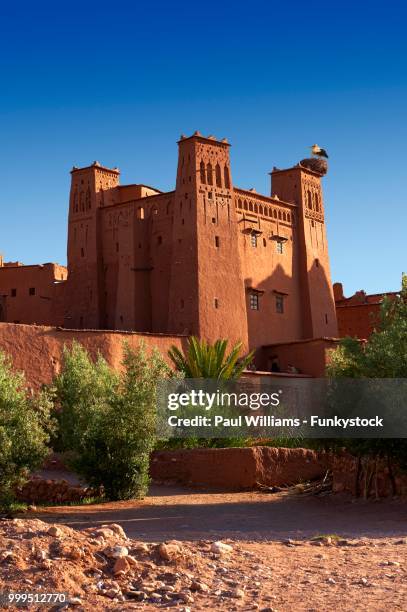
x=110, y=418
x=384, y=355
x=204, y=360
x=84, y=388
x=25, y=425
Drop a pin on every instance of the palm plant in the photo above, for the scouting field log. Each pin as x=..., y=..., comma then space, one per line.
x=204, y=360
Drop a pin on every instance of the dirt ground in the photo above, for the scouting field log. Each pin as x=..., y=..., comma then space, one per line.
x=277, y=552
x=316, y=575
x=185, y=514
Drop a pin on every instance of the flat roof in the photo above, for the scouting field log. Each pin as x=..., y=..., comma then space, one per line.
x=140, y=185
x=98, y=166
x=210, y=139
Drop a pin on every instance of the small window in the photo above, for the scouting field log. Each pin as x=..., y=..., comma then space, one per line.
x=14, y=293
x=264, y=242
x=210, y=195
x=317, y=263
x=117, y=247
x=254, y=301
x=82, y=253
x=31, y=291
x=213, y=220
x=159, y=239
x=226, y=177
x=326, y=318
x=253, y=240
x=216, y=303
x=280, y=304
x=202, y=172
x=218, y=176
x=182, y=304
x=279, y=247
x=217, y=242
x=209, y=174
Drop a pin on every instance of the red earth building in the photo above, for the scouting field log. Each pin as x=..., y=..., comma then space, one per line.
x=207, y=258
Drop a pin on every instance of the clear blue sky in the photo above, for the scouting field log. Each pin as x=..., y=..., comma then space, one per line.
x=119, y=82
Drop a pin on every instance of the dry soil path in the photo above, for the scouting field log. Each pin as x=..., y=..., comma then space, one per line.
x=184, y=514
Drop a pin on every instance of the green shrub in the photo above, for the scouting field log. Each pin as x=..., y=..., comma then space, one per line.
x=204, y=360
x=384, y=355
x=83, y=389
x=110, y=418
x=25, y=426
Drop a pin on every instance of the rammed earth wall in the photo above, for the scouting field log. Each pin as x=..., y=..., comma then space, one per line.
x=235, y=469
x=37, y=350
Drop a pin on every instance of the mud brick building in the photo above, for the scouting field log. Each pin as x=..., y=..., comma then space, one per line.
x=207, y=258
x=359, y=314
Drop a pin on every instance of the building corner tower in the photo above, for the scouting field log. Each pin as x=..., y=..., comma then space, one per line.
x=90, y=188
x=207, y=295
x=302, y=185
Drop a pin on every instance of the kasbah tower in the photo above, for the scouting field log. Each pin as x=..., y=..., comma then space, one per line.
x=207, y=259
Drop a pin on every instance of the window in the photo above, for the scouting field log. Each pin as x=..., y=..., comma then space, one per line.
x=317, y=263
x=253, y=240
x=326, y=318
x=31, y=291
x=182, y=304
x=117, y=247
x=209, y=174
x=159, y=240
x=226, y=177
x=254, y=301
x=216, y=303
x=13, y=292
x=279, y=247
x=213, y=220
x=202, y=172
x=264, y=242
x=280, y=304
x=218, y=176
x=217, y=242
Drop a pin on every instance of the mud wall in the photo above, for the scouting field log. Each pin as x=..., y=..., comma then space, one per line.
x=235, y=469
x=37, y=350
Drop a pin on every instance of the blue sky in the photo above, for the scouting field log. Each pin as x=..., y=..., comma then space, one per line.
x=119, y=82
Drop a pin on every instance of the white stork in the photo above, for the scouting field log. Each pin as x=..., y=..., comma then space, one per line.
x=316, y=150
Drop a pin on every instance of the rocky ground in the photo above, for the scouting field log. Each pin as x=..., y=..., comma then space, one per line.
x=99, y=568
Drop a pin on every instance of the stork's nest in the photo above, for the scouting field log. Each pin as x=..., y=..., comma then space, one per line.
x=316, y=164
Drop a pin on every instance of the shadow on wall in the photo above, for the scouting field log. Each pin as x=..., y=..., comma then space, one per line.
x=295, y=310
x=3, y=315
x=286, y=307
